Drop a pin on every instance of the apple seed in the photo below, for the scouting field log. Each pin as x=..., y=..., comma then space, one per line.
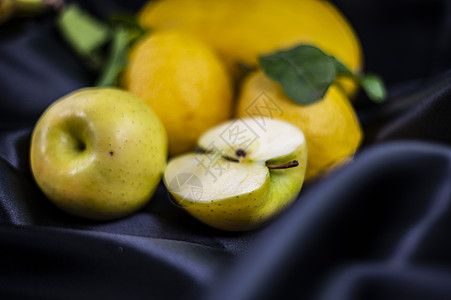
x=240, y=153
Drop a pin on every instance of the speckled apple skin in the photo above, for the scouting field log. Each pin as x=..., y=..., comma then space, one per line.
x=98, y=153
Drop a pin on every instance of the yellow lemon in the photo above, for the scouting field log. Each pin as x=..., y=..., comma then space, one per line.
x=183, y=81
x=240, y=31
x=330, y=126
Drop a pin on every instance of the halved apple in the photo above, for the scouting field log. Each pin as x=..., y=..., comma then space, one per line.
x=244, y=172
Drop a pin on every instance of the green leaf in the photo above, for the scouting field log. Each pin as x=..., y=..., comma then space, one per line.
x=117, y=58
x=130, y=22
x=305, y=72
x=343, y=70
x=96, y=40
x=374, y=87
x=371, y=83
x=85, y=34
x=126, y=32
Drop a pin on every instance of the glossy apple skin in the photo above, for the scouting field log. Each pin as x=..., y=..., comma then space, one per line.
x=98, y=153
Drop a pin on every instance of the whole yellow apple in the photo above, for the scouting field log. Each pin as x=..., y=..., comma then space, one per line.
x=98, y=153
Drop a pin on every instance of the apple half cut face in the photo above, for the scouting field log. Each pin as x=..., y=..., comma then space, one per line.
x=244, y=172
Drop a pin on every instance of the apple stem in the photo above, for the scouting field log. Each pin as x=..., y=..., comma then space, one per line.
x=287, y=165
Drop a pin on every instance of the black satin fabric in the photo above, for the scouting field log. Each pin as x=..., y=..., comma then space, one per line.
x=376, y=228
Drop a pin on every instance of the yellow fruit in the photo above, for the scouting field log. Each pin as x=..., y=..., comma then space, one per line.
x=184, y=82
x=6, y=10
x=330, y=126
x=240, y=31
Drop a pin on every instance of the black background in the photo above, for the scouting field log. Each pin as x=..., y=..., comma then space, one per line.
x=377, y=228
